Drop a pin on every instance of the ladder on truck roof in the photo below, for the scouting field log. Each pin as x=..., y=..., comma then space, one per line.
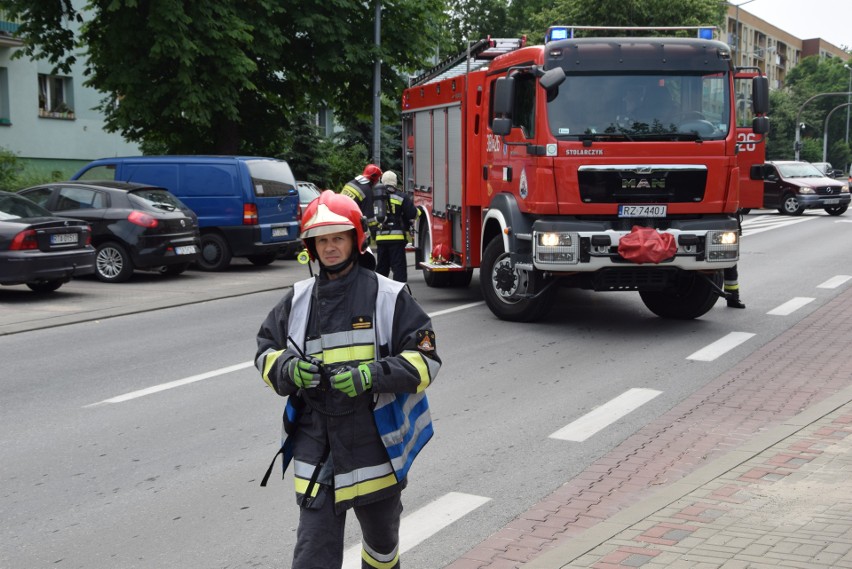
x=480, y=53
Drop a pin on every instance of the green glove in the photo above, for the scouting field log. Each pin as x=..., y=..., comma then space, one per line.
x=354, y=380
x=303, y=373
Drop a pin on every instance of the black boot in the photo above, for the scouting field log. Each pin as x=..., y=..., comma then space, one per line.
x=734, y=300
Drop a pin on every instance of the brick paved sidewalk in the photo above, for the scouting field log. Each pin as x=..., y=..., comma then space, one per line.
x=806, y=365
x=787, y=506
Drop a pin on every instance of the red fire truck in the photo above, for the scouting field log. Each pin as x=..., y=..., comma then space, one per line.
x=609, y=164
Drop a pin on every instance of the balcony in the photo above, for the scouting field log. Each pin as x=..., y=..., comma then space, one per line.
x=8, y=28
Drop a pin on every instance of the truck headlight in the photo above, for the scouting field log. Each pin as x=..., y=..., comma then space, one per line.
x=557, y=248
x=722, y=246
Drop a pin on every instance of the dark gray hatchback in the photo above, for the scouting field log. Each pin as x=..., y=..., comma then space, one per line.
x=134, y=226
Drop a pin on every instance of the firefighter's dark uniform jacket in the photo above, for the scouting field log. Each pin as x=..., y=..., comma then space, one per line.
x=400, y=215
x=374, y=437
x=361, y=190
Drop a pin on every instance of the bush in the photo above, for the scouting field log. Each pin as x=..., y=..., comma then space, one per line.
x=10, y=169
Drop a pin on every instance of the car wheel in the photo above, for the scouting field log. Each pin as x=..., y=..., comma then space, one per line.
x=113, y=263
x=45, y=286
x=836, y=209
x=790, y=205
x=262, y=260
x=173, y=270
x=215, y=253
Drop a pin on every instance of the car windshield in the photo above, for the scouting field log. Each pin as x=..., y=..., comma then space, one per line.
x=650, y=107
x=271, y=178
x=158, y=198
x=799, y=170
x=307, y=193
x=16, y=207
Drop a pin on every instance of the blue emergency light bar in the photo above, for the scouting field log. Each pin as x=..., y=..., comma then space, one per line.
x=555, y=33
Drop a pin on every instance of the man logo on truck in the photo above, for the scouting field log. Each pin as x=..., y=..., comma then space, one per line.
x=643, y=183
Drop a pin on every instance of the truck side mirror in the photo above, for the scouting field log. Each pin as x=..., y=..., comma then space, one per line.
x=552, y=78
x=756, y=172
x=501, y=126
x=504, y=96
x=760, y=95
x=760, y=125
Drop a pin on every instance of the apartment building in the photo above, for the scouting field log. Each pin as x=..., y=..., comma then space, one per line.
x=757, y=43
x=48, y=120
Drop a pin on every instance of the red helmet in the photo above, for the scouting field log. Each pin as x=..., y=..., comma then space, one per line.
x=372, y=173
x=332, y=213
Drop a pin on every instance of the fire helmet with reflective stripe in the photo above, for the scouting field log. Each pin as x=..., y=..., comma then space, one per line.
x=333, y=213
x=372, y=173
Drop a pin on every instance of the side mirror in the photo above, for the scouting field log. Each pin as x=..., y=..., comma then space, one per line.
x=552, y=78
x=760, y=95
x=760, y=125
x=756, y=172
x=501, y=126
x=504, y=96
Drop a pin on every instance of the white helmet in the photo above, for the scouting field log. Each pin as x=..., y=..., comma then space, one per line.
x=389, y=179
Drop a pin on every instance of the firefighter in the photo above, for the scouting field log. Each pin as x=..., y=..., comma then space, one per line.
x=395, y=215
x=732, y=288
x=353, y=353
x=360, y=189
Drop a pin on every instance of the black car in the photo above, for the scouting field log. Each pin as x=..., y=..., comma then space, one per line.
x=39, y=249
x=134, y=226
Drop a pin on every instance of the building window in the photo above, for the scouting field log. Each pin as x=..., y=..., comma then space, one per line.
x=5, y=117
x=55, y=97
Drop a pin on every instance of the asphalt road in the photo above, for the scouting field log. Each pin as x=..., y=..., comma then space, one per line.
x=135, y=432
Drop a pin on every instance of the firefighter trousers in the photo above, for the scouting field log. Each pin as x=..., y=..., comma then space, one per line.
x=319, y=539
x=392, y=257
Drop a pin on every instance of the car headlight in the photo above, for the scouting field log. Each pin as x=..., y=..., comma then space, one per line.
x=806, y=190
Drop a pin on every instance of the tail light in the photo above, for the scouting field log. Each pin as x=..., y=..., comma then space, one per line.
x=24, y=241
x=88, y=233
x=249, y=214
x=142, y=219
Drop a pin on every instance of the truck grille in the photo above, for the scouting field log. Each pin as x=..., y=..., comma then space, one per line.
x=671, y=183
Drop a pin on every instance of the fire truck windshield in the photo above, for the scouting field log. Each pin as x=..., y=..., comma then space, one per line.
x=636, y=107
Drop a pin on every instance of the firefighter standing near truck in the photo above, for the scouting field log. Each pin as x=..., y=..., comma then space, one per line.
x=353, y=353
x=395, y=213
x=361, y=189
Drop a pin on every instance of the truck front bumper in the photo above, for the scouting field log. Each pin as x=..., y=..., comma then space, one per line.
x=570, y=245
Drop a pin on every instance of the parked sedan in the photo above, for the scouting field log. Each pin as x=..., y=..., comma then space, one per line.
x=134, y=226
x=308, y=191
x=39, y=249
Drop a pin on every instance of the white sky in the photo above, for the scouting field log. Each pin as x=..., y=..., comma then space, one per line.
x=830, y=20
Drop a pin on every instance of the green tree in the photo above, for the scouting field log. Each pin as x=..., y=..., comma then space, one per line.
x=226, y=76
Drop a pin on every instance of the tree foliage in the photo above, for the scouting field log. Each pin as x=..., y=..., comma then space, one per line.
x=226, y=76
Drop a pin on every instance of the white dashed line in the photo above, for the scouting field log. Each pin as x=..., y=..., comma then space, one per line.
x=605, y=415
x=720, y=347
x=790, y=306
x=834, y=282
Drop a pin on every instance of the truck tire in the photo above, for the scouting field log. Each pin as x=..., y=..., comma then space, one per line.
x=836, y=209
x=504, y=286
x=693, y=296
x=790, y=205
x=215, y=253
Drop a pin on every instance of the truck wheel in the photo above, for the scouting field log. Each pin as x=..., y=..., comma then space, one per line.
x=262, y=260
x=692, y=297
x=504, y=287
x=836, y=209
x=790, y=205
x=461, y=279
x=215, y=253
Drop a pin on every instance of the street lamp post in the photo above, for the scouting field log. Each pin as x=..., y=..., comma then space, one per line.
x=825, y=129
x=737, y=31
x=848, y=100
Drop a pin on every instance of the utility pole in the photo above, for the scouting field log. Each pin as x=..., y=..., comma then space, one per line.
x=848, y=102
x=737, y=32
x=377, y=90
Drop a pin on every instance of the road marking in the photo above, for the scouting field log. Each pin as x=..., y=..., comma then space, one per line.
x=605, y=415
x=790, y=306
x=721, y=346
x=834, y=282
x=424, y=523
x=767, y=222
x=224, y=370
x=456, y=309
x=173, y=384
